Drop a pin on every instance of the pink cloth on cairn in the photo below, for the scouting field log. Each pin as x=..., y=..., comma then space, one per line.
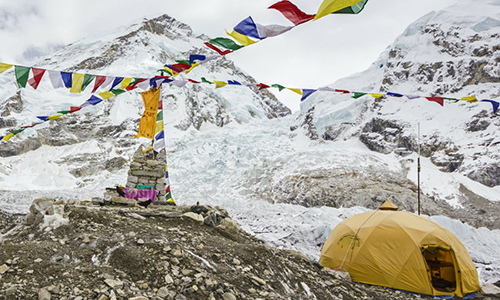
x=135, y=194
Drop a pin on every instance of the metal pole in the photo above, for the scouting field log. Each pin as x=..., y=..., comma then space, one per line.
x=418, y=170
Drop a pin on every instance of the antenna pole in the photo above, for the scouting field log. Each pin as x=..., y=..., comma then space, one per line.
x=418, y=170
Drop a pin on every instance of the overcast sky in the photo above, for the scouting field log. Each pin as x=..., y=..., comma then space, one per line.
x=311, y=55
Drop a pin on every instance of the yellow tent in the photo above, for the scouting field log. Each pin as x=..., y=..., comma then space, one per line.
x=402, y=251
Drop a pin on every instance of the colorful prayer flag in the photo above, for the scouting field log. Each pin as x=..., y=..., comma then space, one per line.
x=219, y=84
x=331, y=6
x=298, y=91
x=439, y=100
x=55, y=79
x=76, y=85
x=470, y=99
x=272, y=30
x=37, y=77
x=4, y=67
x=358, y=94
x=240, y=38
x=291, y=12
x=217, y=49
x=22, y=74
x=196, y=57
x=87, y=79
x=494, y=103
x=247, y=28
x=99, y=80
x=394, y=94
x=125, y=83
x=280, y=87
x=147, y=125
x=67, y=78
x=306, y=93
x=225, y=43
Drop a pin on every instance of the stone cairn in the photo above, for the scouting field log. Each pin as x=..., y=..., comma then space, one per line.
x=146, y=168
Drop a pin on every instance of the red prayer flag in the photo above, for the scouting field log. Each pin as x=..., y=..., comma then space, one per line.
x=134, y=86
x=180, y=67
x=167, y=190
x=193, y=81
x=37, y=77
x=439, y=100
x=262, y=86
x=99, y=80
x=343, y=91
x=217, y=49
x=72, y=109
x=292, y=12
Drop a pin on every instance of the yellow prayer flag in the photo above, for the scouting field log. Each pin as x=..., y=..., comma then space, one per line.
x=106, y=95
x=298, y=91
x=240, y=38
x=166, y=168
x=52, y=118
x=331, y=6
x=4, y=67
x=147, y=125
x=125, y=83
x=219, y=84
x=76, y=86
x=192, y=67
x=469, y=99
x=159, y=127
x=7, y=137
x=376, y=96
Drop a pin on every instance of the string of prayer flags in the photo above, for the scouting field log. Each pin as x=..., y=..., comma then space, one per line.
x=292, y=12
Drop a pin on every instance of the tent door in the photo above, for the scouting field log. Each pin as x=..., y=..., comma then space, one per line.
x=441, y=269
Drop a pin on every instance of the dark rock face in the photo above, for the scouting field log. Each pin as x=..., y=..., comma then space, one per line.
x=384, y=136
x=488, y=175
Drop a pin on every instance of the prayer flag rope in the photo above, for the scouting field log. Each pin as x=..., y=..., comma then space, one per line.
x=247, y=32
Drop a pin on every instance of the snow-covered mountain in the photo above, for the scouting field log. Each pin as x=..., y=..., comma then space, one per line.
x=288, y=179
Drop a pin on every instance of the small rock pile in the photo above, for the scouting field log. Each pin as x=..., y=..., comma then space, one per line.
x=148, y=168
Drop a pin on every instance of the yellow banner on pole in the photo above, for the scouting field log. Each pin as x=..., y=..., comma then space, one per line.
x=147, y=125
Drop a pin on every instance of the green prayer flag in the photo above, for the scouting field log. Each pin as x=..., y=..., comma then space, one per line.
x=225, y=43
x=280, y=87
x=64, y=112
x=22, y=74
x=87, y=79
x=186, y=62
x=117, y=91
x=358, y=94
x=204, y=80
x=17, y=131
x=452, y=99
x=159, y=116
x=168, y=196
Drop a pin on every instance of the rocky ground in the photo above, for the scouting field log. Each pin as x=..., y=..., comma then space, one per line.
x=81, y=251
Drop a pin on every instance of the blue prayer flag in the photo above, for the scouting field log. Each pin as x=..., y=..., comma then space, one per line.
x=306, y=93
x=67, y=78
x=247, y=27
